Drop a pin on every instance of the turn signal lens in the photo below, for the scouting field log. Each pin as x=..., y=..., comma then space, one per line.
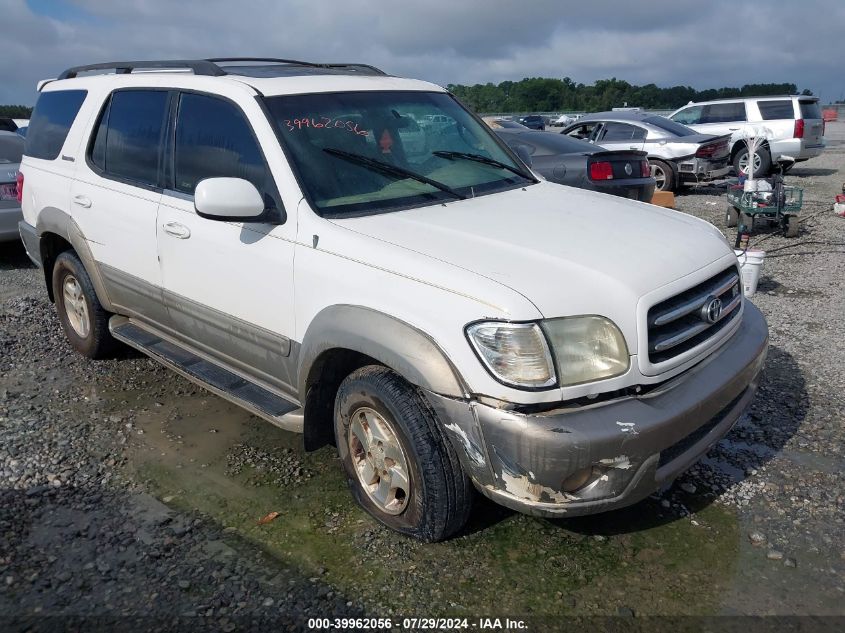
x=515, y=353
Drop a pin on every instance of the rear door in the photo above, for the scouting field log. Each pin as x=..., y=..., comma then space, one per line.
x=115, y=197
x=779, y=116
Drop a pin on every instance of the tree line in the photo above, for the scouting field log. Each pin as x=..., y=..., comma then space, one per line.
x=537, y=94
x=15, y=111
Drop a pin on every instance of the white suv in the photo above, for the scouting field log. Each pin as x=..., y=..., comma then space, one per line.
x=433, y=308
x=793, y=126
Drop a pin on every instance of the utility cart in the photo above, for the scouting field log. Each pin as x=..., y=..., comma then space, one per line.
x=772, y=201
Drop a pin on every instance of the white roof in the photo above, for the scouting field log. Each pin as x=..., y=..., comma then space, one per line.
x=268, y=86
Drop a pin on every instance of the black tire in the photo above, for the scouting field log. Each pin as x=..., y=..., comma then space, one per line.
x=440, y=495
x=790, y=226
x=731, y=217
x=97, y=341
x=664, y=175
x=765, y=162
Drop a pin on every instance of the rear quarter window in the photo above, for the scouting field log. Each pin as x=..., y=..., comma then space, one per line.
x=810, y=110
x=774, y=110
x=50, y=122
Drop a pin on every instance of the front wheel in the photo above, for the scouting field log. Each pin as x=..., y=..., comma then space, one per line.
x=399, y=465
x=663, y=174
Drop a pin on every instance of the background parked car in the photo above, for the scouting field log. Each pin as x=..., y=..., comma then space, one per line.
x=676, y=153
x=793, y=126
x=497, y=123
x=569, y=161
x=7, y=124
x=533, y=121
x=563, y=120
x=11, y=150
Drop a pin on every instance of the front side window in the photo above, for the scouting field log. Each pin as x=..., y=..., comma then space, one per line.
x=129, y=136
x=213, y=140
x=688, y=116
x=774, y=110
x=360, y=152
x=50, y=122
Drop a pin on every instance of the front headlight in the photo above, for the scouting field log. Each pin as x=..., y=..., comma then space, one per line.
x=586, y=348
x=515, y=353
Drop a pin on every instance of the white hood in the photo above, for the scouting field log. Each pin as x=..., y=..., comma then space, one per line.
x=568, y=251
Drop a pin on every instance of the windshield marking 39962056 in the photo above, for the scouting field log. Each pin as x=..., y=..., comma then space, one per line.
x=380, y=151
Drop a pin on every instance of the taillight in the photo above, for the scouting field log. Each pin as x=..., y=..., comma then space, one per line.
x=798, y=132
x=601, y=171
x=708, y=151
x=645, y=169
x=19, y=182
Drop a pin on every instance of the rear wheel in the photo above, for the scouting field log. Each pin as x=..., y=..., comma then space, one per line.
x=84, y=320
x=731, y=216
x=762, y=162
x=399, y=465
x=663, y=174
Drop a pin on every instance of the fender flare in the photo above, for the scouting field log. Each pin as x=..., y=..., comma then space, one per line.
x=52, y=220
x=407, y=350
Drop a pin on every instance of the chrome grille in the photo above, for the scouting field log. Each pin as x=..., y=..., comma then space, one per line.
x=681, y=322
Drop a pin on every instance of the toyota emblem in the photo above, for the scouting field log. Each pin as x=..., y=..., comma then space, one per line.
x=628, y=169
x=711, y=311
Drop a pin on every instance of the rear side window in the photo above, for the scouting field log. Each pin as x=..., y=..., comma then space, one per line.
x=810, y=110
x=773, y=110
x=129, y=136
x=213, y=139
x=724, y=113
x=622, y=132
x=50, y=122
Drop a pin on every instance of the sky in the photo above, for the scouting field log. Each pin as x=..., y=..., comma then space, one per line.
x=703, y=44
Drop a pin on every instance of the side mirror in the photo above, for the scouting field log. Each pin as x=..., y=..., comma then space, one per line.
x=232, y=199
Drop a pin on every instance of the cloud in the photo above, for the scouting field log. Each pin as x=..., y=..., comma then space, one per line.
x=445, y=41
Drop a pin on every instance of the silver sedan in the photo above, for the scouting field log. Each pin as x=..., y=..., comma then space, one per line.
x=676, y=153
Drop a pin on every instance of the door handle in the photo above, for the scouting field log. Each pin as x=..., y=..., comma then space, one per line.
x=733, y=129
x=633, y=147
x=177, y=230
x=82, y=201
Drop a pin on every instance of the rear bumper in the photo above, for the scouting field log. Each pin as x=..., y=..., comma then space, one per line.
x=629, y=447
x=31, y=242
x=696, y=169
x=635, y=189
x=798, y=148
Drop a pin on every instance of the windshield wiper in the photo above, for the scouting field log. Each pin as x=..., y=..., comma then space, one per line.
x=391, y=170
x=478, y=158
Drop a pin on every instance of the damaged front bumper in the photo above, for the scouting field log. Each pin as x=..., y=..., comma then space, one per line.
x=583, y=460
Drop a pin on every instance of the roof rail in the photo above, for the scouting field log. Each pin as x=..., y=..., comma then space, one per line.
x=199, y=66
x=207, y=67
x=295, y=62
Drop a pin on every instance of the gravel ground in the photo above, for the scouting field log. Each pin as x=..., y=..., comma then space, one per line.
x=85, y=531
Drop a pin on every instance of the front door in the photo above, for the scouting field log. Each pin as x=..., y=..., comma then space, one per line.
x=228, y=286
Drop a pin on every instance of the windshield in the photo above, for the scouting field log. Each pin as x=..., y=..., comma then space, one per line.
x=670, y=126
x=359, y=152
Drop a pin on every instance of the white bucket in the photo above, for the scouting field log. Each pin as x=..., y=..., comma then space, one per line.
x=750, y=264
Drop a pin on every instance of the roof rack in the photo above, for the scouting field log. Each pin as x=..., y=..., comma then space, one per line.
x=212, y=68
